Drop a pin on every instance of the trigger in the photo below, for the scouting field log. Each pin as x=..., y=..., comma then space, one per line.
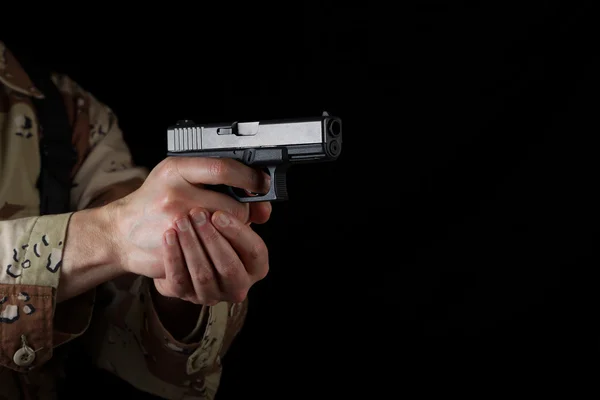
x=249, y=193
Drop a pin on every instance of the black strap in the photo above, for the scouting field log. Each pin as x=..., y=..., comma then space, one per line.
x=58, y=155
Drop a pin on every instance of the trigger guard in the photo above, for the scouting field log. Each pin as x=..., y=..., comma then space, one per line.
x=251, y=199
x=271, y=195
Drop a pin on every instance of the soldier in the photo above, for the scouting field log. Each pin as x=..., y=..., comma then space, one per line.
x=165, y=263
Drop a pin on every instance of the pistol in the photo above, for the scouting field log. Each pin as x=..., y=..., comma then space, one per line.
x=272, y=145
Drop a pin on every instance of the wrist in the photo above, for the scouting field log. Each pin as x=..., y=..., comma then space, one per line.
x=90, y=255
x=94, y=232
x=108, y=218
x=110, y=237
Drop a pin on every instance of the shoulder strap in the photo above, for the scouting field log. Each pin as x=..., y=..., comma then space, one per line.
x=58, y=156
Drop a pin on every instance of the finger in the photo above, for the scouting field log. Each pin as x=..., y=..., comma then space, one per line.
x=260, y=212
x=249, y=246
x=177, y=282
x=222, y=171
x=232, y=276
x=212, y=201
x=198, y=264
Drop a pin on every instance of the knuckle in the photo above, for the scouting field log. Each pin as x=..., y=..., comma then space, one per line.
x=241, y=212
x=179, y=280
x=259, y=251
x=234, y=231
x=230, y=268
x=217, y=167
x=173, y=258
x=238, y=296
x=203, y=278
x=211, y=236
x=170, y=202
x=168, y=168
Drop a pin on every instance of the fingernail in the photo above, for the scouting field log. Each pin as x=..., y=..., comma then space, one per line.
x=223, y=220
x=170, y=238
x=199, y=218
x=183, y=224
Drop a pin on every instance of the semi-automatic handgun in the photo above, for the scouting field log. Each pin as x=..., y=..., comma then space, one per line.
x=273, y=145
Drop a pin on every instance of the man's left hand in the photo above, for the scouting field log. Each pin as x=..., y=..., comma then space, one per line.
x=212, y=258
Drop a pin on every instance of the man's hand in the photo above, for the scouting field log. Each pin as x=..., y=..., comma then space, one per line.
x=211, y=258
x=171, y=192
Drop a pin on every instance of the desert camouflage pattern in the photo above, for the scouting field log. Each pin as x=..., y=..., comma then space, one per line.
x=117, y=321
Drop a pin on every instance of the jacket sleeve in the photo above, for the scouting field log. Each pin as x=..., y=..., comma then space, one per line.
x=31, y=252
x=128, y=339
x=32, y=324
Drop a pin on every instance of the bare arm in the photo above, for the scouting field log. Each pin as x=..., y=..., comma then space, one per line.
x=88, y=258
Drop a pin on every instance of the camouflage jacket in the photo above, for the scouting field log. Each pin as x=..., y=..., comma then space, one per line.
x=125, y=335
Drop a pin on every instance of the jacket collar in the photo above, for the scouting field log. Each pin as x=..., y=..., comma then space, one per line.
x=14, y=76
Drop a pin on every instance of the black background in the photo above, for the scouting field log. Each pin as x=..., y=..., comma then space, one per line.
x=440, y=252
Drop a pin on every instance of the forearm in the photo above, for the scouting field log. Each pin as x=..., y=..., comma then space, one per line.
x=89, y=256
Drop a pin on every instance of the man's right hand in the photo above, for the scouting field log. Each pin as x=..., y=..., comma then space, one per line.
x=174, y=188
